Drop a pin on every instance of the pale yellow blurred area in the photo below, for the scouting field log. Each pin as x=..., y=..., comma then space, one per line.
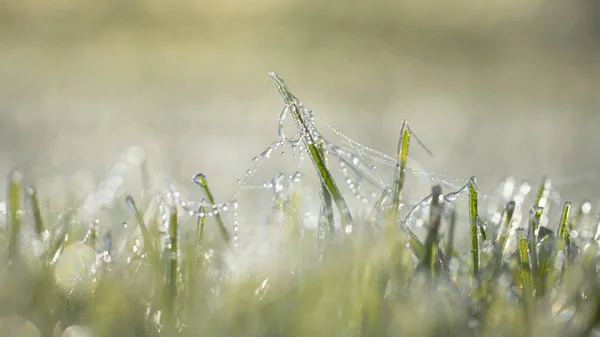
x=492, y=87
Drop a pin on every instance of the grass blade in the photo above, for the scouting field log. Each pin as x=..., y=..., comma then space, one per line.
x=173, y=263
x=200, y=179
x=532, y=240
x=317, y=159
x=435, y=219
x=506, y=227
x=148, y=242
x=326, y=211
x=400, y=171
x=14, y=198
x=37, y=214
x=525, y=268
x=543, y=193
x=473, y=219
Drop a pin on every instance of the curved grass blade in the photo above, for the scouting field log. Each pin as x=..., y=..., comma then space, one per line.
x=148, y=242
x=14, y=198
x=37, y=214
x=200, y=179
x=473, y=220
x=310, y=142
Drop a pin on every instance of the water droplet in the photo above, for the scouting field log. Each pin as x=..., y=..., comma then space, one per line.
x=131, y=203
x=348, y=229
x=124, y=224
x=355, y=160
x=199, y=179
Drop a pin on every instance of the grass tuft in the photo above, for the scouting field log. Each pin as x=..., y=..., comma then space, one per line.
x=521, y=274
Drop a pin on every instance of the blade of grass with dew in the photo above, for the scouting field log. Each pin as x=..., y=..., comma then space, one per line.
x=326, y=211
x=504, y=232
x=532, y=240
x=200, y=180
x=400, y=172
x=148, y=242
x=310, y=142
x=543, y=193
x=525, y=269
x=435, y=219
x=14, y=198
x=473, y=219
x=37, y=214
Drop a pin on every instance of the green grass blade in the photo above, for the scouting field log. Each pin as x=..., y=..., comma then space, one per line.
x=563, y=230
x=37, y=214
x=525, y=268
x=532, y=240
x=14, y=198
x=148, y=242
x=400, y=171
x=473, y=220
x=435, y=219
x=200, y=179
x=326, y=211
x=173, y=263
x=310, y=141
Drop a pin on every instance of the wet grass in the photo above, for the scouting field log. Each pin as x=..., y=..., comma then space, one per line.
x=531, y=268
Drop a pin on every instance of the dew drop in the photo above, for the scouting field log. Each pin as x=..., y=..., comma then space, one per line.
x=348, y=229
x=124, y=224
x=199, y=179
x=354, y=160
x=131, y=203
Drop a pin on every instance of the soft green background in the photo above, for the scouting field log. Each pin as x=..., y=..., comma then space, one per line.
x=492, y=87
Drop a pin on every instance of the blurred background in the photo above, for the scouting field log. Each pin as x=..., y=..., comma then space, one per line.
x=492, y=87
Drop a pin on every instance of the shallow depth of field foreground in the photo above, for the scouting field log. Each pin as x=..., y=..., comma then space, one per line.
x=348, y=242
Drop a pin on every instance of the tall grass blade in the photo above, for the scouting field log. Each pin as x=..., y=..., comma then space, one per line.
x=505, y=229
x=14, y=224
x=525, y=269
x=532, y=240
x=310, y=140
x=200, y=179
x=148, y=242
x=326, y=216
x=173, y=263
x=400, y=171
x=435, y=219
x=473, y=221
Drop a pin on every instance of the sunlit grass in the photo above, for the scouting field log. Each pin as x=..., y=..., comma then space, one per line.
x=356, y=272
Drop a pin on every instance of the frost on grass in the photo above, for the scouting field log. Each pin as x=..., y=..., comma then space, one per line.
x=309, y=250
